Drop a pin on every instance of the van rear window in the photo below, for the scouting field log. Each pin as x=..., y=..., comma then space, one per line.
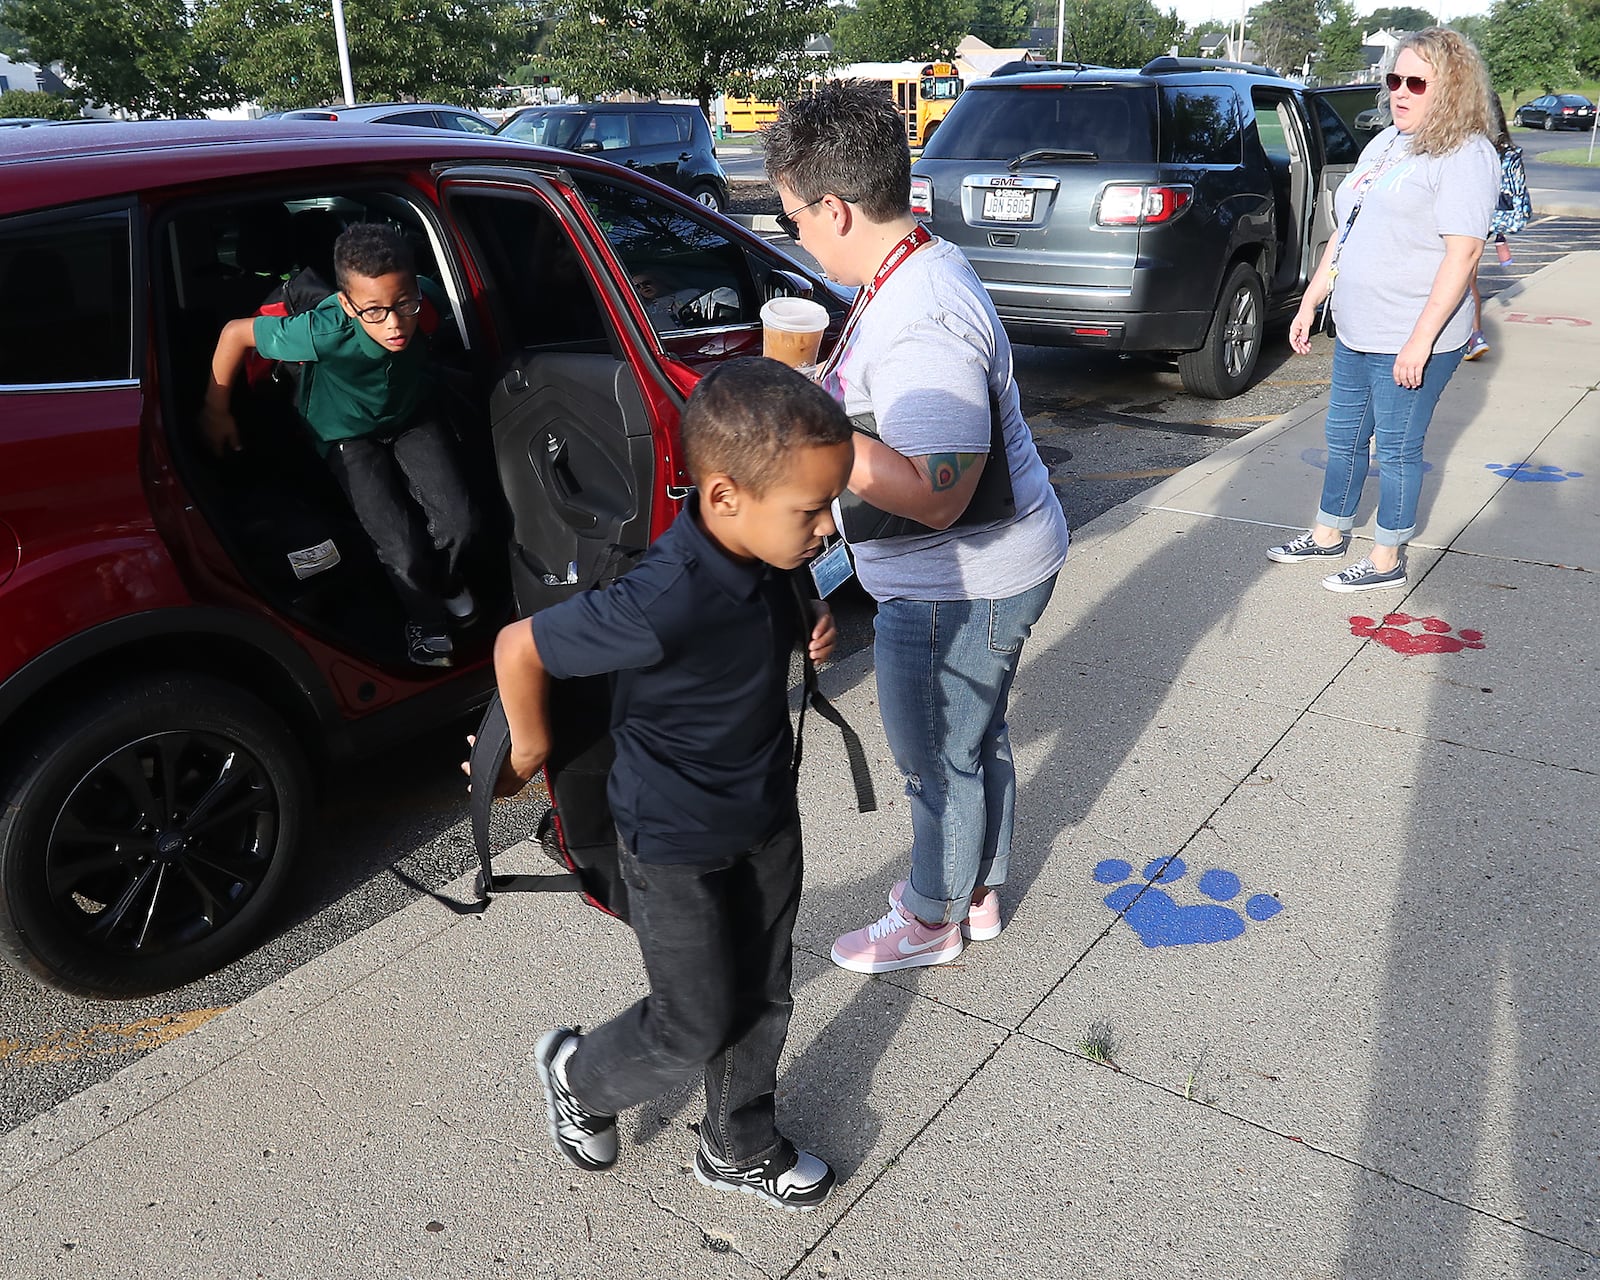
x=1114, y=122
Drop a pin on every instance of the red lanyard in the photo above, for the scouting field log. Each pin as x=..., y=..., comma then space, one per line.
x=914, y=239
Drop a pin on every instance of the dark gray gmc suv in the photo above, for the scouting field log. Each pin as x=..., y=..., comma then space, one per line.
x=1174, y=209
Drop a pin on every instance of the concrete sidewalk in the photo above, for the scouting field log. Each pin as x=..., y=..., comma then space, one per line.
x=1345, y=1029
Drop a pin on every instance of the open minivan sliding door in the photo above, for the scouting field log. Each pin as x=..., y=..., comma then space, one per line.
x=1339, y=152
x=581, y=447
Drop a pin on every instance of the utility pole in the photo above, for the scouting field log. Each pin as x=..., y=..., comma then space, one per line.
x=344, y=52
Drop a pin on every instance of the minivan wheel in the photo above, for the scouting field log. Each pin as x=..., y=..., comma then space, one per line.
x=1223, y=367
x=146, y=835
x=709, y=196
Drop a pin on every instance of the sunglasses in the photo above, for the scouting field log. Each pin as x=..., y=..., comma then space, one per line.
x=788, y=225
x=1413, y=84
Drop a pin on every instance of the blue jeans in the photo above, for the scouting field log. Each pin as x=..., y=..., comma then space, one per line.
x=1366, y=402
x=944, y=671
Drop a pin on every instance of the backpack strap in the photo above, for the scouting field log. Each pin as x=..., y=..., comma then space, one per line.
x=811, y=696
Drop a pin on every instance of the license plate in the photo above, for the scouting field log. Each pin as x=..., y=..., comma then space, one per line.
x=1008, y=204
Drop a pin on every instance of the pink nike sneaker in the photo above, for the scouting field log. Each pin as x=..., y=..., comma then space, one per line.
x=897, y=942
x=983, y=914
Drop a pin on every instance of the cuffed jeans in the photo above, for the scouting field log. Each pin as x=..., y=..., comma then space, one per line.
x=716, y=938
x=1366, y=402
x=410, y=498
x=944, y=671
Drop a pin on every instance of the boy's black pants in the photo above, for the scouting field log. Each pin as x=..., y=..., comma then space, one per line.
x=716, y=939
x=409, y=496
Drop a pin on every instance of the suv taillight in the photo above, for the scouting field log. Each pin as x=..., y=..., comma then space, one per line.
x=1126, y=205
x=921, y=197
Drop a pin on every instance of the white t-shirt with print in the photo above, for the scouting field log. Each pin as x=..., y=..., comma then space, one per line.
x=1387, y=266
x=925, y=355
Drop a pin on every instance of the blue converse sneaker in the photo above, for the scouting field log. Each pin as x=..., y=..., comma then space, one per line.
x=1363, y=575
x=1477, y=345
x=586, y=1138
x=1306, y=547
x=794, y=1180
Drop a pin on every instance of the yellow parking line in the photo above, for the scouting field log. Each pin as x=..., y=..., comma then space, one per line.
x=108, y=1039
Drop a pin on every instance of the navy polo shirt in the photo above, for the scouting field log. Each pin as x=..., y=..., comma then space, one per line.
x=700, y=645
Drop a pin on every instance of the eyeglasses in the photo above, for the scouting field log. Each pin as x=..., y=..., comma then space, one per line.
x=786, y=222
x=1414, y=84
x=377, y=315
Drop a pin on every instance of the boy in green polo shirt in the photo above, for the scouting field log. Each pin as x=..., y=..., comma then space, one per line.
x=367, y=394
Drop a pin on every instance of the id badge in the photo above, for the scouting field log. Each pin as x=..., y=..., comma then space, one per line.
x=832, y=569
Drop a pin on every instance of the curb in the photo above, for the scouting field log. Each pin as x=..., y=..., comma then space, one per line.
x=1571, y=204
x=761, y=223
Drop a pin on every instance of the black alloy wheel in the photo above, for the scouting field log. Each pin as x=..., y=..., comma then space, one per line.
x=149, y=837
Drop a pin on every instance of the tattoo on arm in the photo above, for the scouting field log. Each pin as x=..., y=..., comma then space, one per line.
x=946, y=469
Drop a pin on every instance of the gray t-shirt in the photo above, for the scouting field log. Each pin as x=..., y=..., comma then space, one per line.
x=923, y=359
x=1388, y=263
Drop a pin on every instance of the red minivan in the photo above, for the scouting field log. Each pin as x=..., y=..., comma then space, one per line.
x=185, y=641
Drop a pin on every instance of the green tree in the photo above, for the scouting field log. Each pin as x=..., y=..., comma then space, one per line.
x=1586, y=38
x=697, y=48
x=1285, y=32
x=140, y=56
x=1339, y=41
x=19, y=104
x=1529, y=44
x=10, y=37
x=1002, y=24
x=1119, y=33
x=903, y=30
x=1472, y=25
x=1400, y=18
x=282, y=53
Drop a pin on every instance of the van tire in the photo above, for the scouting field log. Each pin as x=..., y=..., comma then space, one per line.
x=1223, y=367
x=146, y=834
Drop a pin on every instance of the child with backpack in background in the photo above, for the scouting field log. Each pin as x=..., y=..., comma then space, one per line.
x=1510, y=216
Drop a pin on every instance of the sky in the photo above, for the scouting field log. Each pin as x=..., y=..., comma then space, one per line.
x=1194, y=12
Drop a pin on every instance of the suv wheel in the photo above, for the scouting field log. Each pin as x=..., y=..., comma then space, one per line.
x=708, y=195
x=146, y=835
x=1222, y=368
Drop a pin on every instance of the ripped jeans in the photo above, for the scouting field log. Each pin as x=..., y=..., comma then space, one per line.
x=944, y=671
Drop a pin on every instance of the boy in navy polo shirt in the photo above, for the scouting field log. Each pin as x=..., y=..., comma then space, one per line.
x=699, y=635
x=367, y=396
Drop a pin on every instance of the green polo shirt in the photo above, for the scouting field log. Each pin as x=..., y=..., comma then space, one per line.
x=358, y=386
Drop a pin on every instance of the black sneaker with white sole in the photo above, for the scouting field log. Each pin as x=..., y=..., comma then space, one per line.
x=585, y=1137
x=794, y=1180
x=1306, y=547
x=428, y=648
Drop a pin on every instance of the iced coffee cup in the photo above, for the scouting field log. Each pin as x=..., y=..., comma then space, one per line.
x=792, y=330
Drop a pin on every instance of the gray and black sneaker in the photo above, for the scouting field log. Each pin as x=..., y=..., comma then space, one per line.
x=428, y=648
x=1306, y=547
x=586, y=1138
x=794, y=1180
x=1363, y=575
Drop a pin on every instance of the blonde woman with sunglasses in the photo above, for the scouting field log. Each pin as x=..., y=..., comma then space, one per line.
x=1410, y=224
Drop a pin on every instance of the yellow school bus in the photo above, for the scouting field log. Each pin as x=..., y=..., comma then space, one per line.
x=923, y=92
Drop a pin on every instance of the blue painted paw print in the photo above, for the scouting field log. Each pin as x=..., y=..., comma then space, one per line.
x=1160, y=922
x=1530, y=474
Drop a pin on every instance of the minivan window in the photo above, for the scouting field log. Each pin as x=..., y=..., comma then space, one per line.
x=546, y=128
x=658, y=129
x=1339, y=145
x=68, y=293
x=1113, y=122
x=1200, y=125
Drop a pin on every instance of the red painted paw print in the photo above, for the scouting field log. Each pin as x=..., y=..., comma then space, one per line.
x=1435, y=636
